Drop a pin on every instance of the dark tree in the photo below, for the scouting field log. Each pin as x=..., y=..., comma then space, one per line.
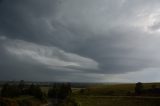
x=53, y=92
x=4, y=91
x=31, y=89
x=139, y=88
x=21, y=86
x=9, y=90
x=38, y=92
x=35, y=90
x=69, y=89
x=64, y=91
x=60, y=91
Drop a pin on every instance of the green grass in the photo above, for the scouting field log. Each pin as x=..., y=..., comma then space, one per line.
x=24, y=98
x=21, y=101
x=98, y=95
x=114, y=89
x=117, y=101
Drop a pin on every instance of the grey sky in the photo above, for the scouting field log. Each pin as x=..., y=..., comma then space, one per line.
x=80, y=40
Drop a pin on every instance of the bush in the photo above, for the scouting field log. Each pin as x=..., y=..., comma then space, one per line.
x=139, y=88
x=60, y=91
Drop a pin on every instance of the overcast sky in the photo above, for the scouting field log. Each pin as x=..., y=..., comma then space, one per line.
x=80, y=40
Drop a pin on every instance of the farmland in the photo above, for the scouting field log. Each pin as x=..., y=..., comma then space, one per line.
x=115, y=95
x=117, y=101
x=101, y=94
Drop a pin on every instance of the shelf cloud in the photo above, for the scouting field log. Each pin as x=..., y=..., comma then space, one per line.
x=79, y=40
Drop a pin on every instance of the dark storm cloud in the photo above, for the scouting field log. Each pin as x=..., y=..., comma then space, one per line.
x=66, y=40
x=24, y=19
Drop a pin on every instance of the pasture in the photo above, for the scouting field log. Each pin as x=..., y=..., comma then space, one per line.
x=115, y=95
x=117, y=101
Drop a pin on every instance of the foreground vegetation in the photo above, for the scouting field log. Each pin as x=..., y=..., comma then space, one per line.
x=64, y=94
x=118, y=89
x=117, y=101
x=20, y=101
x=119, y=95
x=21, y=94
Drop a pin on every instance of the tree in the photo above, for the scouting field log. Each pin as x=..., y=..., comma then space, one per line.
x=31, y=89
x=38, y=92
x=69, y=89
x=60, y=91
x=4, y=91
x=35, y=90
x=64, y=91
x=9, y=90
x=21, y=86
x=139, y=88
x=53, y=92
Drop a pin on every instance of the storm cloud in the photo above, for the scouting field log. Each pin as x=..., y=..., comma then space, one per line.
x=79, y=40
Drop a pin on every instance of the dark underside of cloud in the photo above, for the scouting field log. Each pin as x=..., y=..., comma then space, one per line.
x=77, y=40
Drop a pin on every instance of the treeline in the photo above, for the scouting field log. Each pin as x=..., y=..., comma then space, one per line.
x=140, y=90
x=61, y=94
x=15, y=90
x=60, y=91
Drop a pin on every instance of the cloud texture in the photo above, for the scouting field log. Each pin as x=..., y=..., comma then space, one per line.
x=79, y=40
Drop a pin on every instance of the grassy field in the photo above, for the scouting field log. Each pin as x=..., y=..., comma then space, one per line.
x=105, y=95
x=21, y=101
x=115, y=89
x=117, y=101
x=99, y=95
